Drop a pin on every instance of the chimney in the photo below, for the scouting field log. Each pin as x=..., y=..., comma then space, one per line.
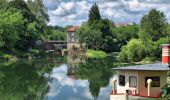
x=166, y=54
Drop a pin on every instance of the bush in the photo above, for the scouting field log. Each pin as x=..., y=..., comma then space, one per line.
x=165, y=91
x=133, y=51
x=96, y=54
x=153, y=49
x=9, y=57
x=148, y=60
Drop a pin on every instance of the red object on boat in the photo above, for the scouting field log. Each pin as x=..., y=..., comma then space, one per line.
x=166, y=54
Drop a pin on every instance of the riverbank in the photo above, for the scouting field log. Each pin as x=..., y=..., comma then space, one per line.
x=96, y=54
x=15, y=54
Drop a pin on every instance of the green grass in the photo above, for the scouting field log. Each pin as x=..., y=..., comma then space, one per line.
x=96, y=54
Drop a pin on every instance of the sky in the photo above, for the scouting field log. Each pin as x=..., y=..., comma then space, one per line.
x=74, y=12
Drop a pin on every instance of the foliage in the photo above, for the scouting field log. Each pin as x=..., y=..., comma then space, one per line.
x=165, y=91
x=22, y=6
x=92, y=38
x=11, y=21
x=96, y=33
x=37, y=8
x=94, y=14
x=98, y=73
x=27, y=78
x=133, y=51
x=124, y=33
x=148, y=60
x=153, y=49
x=21, y=23
x=57, y=35
x=96, y=54
x=3, y=4
x=153, y=25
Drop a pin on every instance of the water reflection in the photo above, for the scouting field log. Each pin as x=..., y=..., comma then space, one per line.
x=86, y=81
x=97, y=72
x=22, y=81
x=62, y=87
x=54, y=79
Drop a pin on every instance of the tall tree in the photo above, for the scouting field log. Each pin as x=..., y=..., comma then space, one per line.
x=37, y=7
x=94, y=14
x=154, y=25
x=26, y=12
x=11, y=22
x=3, y=3
x=26, y=37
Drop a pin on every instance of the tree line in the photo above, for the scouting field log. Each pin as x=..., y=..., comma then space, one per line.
x=22, y=23
x=134, y=42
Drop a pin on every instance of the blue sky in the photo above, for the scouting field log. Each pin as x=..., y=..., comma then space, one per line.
x=74, y=12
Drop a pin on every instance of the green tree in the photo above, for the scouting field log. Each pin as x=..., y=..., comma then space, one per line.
x=94, y=14
x=124, y=34
x=133, y=51
x=3, y=3
x=165, y=91
x=22, y=6
x=92, y=37
x=98, y=73
x=37, y=7
x=57, y=35
x=11, y=22
x=153, y=25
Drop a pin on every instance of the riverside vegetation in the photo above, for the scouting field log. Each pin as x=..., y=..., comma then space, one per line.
x=23, y=23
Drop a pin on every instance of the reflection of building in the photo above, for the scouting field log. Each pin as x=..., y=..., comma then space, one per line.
x=73, y=62
x=142, y=81
x=76, y=59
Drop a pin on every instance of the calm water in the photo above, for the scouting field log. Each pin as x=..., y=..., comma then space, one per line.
x=56, y=78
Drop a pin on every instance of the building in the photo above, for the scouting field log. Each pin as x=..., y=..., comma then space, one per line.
x=122, y=24
x=71, y=34
x=141, y=81
x=73, y=46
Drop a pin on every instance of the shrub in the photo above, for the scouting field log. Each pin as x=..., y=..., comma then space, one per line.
x=148, y=60
x=96, y=54
x=133, y=51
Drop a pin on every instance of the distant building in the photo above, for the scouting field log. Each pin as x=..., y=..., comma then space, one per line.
x=71, y=34
x=142, y=81
x=73, y=46
x=123, y=24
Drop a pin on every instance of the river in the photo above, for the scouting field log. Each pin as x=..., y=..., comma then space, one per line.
x=56, y=78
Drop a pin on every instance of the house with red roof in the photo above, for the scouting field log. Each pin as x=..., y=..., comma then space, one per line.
x=71, y=34
x=73, y=46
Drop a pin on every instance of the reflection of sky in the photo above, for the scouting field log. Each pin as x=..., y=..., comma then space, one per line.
x=64, y=88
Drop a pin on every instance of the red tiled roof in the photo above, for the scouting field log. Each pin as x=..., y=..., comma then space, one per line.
x=73, y=29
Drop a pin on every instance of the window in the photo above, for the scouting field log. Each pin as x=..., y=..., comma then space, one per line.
x=132, y=81
x=155, y=81
x=121, y=80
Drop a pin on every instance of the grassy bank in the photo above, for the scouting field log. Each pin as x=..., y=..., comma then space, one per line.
x=96, y=54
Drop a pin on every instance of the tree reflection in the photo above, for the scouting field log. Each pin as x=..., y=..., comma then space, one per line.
x=98, y=73
x=23, y=81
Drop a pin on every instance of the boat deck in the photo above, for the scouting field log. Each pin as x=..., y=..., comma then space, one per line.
x=130, y=97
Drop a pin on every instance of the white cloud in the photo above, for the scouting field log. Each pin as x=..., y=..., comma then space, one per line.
x=74, y=12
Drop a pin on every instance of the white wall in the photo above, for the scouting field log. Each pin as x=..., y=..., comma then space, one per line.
x=141, y=89
x=122, y=89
